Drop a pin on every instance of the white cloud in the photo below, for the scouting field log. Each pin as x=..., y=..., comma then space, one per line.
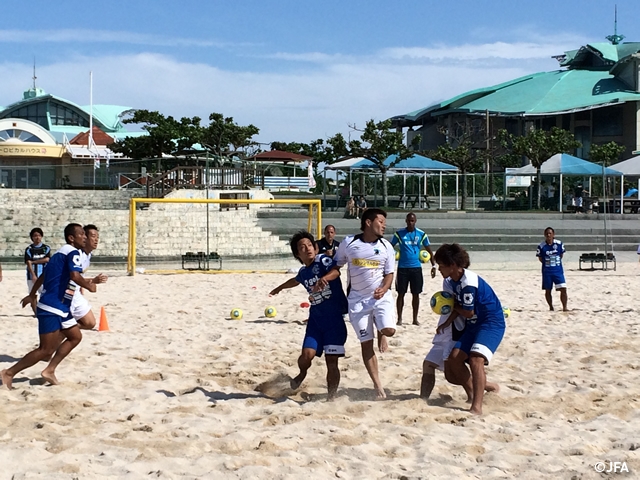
x=292, y=106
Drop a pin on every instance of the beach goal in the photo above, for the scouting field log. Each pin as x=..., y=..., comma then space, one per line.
x=216, y=235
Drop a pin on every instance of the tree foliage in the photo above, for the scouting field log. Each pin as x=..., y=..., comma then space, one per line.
x=378, y=141
x=223, y=137
x=538, y=146
x=606, y=154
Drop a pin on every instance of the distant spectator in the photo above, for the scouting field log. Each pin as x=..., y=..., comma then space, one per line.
x=631, y=192
x=578, y=193
x=350, y=208
x=36, y=257
x=361, y=205
x=328, y=245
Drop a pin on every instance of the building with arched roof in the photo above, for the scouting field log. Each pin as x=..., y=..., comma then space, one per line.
x=595, y=95
x=44, y=142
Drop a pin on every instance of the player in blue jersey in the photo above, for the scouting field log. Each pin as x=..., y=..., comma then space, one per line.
x=326, y=331
x=57, y=335
x=411, y=240
x=550, y=254
x=476, y=301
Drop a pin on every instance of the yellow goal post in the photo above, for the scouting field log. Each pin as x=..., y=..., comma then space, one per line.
x=314, y=218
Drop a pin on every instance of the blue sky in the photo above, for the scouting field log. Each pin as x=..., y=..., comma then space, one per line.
x=297, y=70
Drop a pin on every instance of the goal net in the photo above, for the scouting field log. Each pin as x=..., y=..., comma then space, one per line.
x=178, y=235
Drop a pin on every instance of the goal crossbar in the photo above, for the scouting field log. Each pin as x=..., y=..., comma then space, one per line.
x=131, y=252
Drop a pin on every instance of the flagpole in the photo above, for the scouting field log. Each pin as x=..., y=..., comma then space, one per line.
x=90, y=141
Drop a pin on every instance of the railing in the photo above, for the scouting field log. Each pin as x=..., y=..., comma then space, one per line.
x=123, y=181
x=219, y=178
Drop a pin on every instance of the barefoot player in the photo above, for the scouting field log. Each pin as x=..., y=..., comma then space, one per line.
x=326, y=331
x=53, y=309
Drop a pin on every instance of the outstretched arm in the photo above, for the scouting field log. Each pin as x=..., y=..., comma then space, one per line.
x=292, y=282
x=83, y=282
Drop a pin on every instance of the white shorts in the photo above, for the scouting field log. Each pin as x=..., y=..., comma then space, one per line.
x=30, y=286
x=439, y=353
x=79, y=306
x=365, y=311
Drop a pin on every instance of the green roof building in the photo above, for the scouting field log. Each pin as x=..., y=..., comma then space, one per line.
x=44, y=143
x=595, y=95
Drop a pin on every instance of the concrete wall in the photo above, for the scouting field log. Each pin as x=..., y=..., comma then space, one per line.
x=162, y=229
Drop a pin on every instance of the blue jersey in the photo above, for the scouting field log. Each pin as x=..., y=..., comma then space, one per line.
x=327, y=306
x=36, y=252
x=474, y=294
x=410, y=245
x=58, y=289
x=551, y=256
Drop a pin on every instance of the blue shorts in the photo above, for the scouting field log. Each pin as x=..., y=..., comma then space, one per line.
x=483, y=340
x=549, y=279
x=330, y=341
x=48, y=322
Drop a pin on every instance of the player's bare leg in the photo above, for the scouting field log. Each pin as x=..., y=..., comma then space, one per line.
x=399, y=307
x=371, y=363
x=479, y=380
x=383, y=344
x=73, y=336
x=48, y=344
x=563, y=299
x=428, y=380
x=88, y=322
x=304, y=363
x=491, y=387
x=415, y=304
x=549, y=298
x=457, y=373
x=333, y=376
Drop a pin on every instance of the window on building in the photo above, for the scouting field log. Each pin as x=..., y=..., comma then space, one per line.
x=62, y=115
x=35, y=112
x=607, y=122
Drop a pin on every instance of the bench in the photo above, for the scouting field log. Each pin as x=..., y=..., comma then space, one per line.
x=597, y=258
x=191, y=259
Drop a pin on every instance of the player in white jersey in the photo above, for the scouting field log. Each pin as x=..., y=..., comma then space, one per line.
x=370, y=261
x=80, y=307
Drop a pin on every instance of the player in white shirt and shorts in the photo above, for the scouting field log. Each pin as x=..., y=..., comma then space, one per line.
x=81, y=312
x=370, y=261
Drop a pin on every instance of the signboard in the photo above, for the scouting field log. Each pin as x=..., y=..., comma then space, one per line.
x=22, y=150
x=516, y=180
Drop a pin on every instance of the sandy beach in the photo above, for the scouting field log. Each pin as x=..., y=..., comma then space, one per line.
x=170, y=391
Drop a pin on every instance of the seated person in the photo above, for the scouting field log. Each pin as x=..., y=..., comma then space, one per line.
x=631, y=192
x=362, y=206
x=350, y=208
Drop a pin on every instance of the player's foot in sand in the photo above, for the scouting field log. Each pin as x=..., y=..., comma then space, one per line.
x=296, y=382
x=565, y=309
x=380, y=395
x=416, y=322
x=475, y=411
x=399, y=322
x=551, y=308
x=7, y=379
x=49, y=377
x=383, y=345
x=492, y=387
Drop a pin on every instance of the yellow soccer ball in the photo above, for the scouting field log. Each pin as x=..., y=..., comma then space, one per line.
x=424, y=256
x=236, y=314
x=270, y=312
x=442, y=303
x=397, y=254
x=506, y=311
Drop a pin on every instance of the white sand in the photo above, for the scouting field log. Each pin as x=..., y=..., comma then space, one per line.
x=169, y=392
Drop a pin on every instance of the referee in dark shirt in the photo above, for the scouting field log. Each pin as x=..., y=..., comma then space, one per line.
x=327, y=245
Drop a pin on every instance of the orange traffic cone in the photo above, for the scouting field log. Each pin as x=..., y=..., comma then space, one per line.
x=104, y=324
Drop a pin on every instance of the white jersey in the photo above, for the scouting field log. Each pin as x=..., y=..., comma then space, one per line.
x=367, y=263
x=85, y=261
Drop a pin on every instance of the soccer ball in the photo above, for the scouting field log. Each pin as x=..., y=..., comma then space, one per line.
x=236, y=314
x=397, y=254
x=424, y=256
x=442, y=303
x=506, y=311
x=270, y=312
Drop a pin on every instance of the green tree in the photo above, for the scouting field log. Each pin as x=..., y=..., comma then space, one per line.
x=223, y=137
x=166, y=135
x=606, y=154
x=538, y=146
x=378, y=141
